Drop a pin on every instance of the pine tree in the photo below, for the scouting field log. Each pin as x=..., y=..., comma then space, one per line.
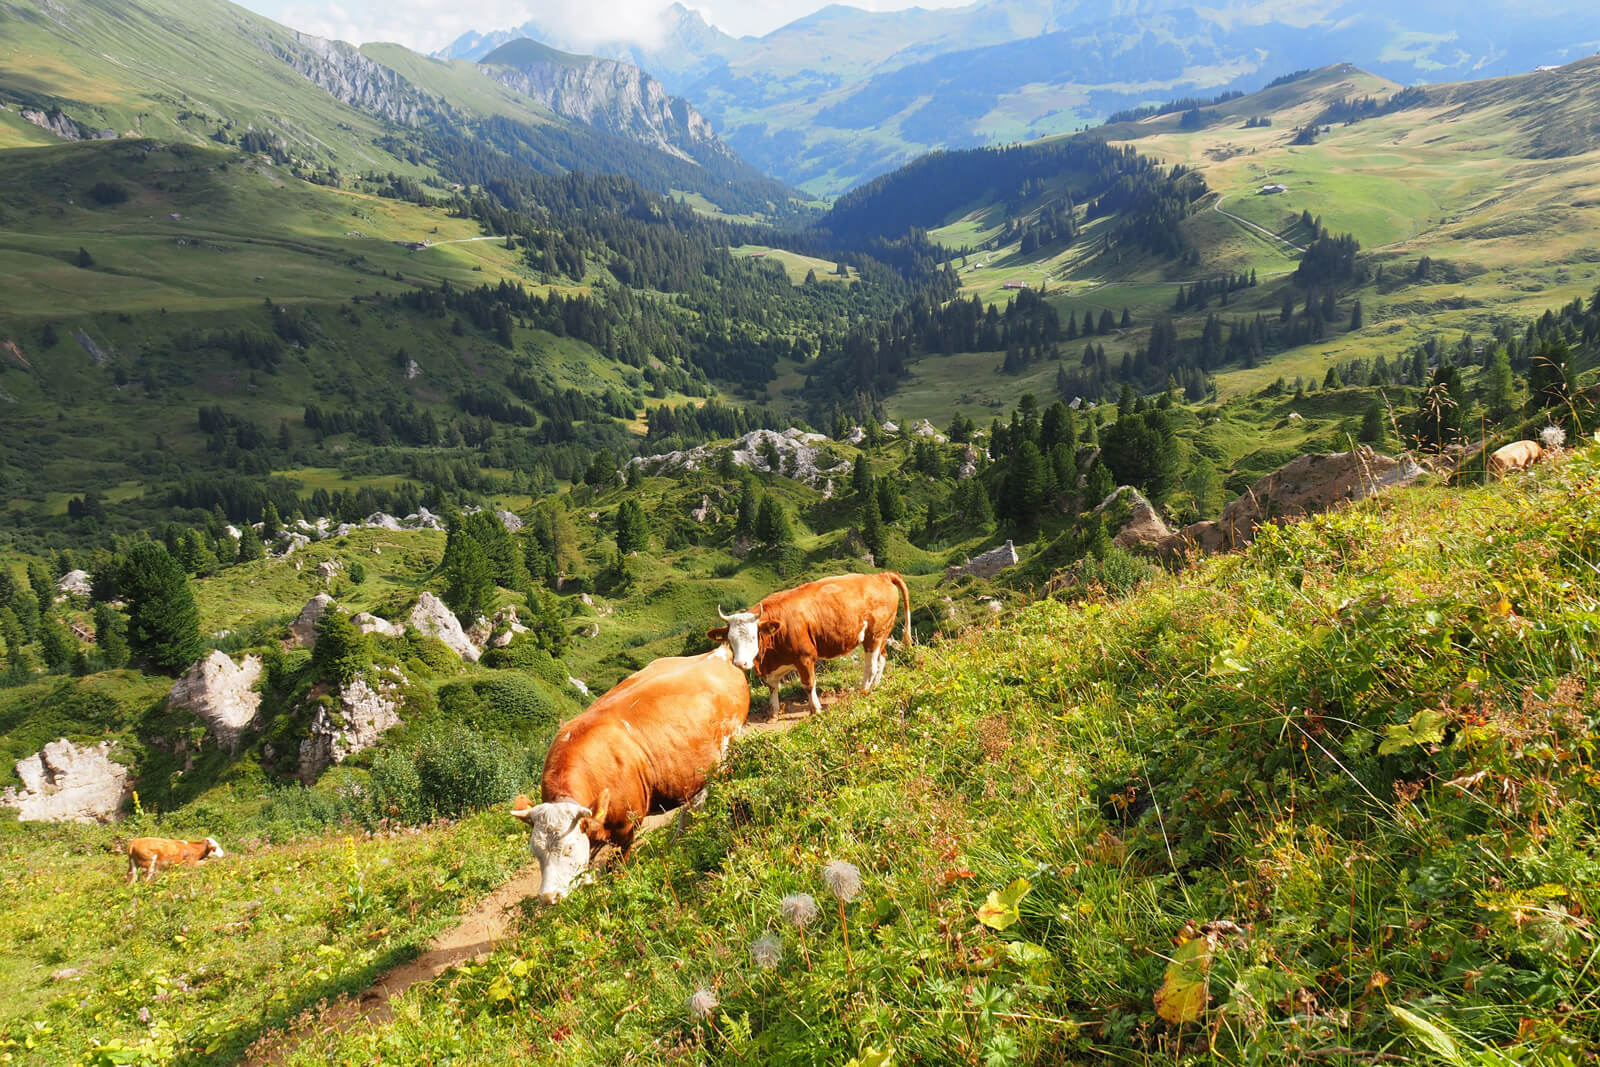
x=110, y=637
x=1550, y=376
x=341, y=651
x=1373, y=430
x=163, y=621
x=1028, y=485
x=1100, y=484
x=633, y=531
x=56, y=645
x=861, y=476
x=1205, y=486
x=1355, y=316
x=975, y=506
x=890, y=505
x=84, y=260
x=468, y=581
x=873, y=533
x=1498, y=387
x=271, y=524
x=249, y=544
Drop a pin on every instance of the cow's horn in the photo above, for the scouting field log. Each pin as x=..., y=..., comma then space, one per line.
x=720, y=615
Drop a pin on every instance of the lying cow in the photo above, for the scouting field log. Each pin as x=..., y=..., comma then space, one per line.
x=645, y=746
x=1517, y=456
x=825, y=619
x=147, y=853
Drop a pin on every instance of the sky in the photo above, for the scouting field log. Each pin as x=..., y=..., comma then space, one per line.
x=428, y=25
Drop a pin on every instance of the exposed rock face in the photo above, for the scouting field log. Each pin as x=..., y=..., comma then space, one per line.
x=616, y=97
x=74, y=583
x=987, y=564
x=703, y=512
x=431, y=617
x=64, y=783
x=360, y=717
x=576, y=684
x=413, y=368
x=924, y=428
x=1304, y=486
x=509, y=520
x=1144, y=527
x=303, y=631
x=329, y=567
x=344, y=73
x=55, y=121
x=505, y=627
x=799, y=456
x=969, y=464
x=221, y=695
x=368, y=623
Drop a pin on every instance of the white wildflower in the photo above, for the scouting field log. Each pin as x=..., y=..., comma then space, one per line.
x=766, y=951
x=702, y=1004
x=842, y=879
x=1553, y=437
x=798, y=908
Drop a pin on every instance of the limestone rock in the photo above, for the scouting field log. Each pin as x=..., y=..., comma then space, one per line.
x=924, y=428
x=379, y=520
x=1304, y=486
x=220, y=694
x=431, y=617
x=800, y=457
x=74, y=583
x=64, y=783
x=703, y=512
x=303, y=631
x=505, y=627
x=1144, y=526
x=330, y=567
x=368, y=623
x=480, y=631
x=969, y=464
x=362, y=714
x=509, y=520
x=987, y=564
x=579, y=686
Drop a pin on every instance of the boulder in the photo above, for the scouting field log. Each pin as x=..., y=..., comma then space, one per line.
x=330, y=567
x=1304, y=486
x=505, y=627
x=303, y=631
x=987, y=564
x=480, y=631
x=969, y=464
x=74, y=583
x=924, y=428
x=799, y=457
x=703, y=512
x=509, y=520
x=64, y=783
x=359, y=717
x=431, y=617
x=220, y=694
x=379, y=520
x=579, y=686
x=1143, y=527
x=368, y=623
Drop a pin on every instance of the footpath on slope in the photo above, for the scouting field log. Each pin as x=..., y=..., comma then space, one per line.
x=473, y=938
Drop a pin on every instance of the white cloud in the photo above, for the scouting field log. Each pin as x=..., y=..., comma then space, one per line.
x=428, y=25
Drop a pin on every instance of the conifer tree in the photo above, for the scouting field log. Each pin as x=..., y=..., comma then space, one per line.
x=163, y=621
x=1498, y=386
x=110, y=637
x=1373, y=431
x=749, y=506
x=1550, y=376
x=341, y=651
x=633, y=531
x=873, y=533
x=468, y=581
x=249, y=544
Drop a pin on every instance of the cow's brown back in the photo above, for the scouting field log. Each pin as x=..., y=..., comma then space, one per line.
x=824, y=619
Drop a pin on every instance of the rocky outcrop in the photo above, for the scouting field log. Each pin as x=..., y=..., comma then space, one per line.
x=800, y=457
x=703, y=512
x=303, y=631
x=505, y=627
x=64, y=783
x=368, y=623
x=220, y=694
x=344, y=73
x=1304, y=486
x=1143, y=527
x=509, y=520
x=924, y=428
x=360, y=716
x=56, y=121
x=608, y=95
x=987, y=564
x=432, y=618
x=329, y=568
x=969, y=464
x=74, y=583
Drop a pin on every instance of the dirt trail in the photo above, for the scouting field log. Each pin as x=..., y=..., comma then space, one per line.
x=473, y=938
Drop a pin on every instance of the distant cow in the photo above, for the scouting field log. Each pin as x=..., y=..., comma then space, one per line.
x=147, y=853
x=1518, y=455
x=645, y=746
x=825, y=619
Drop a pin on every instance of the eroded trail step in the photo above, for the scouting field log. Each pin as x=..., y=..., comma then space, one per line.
x=473, y=938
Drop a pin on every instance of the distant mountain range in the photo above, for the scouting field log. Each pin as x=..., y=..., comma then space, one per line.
x=844, y=94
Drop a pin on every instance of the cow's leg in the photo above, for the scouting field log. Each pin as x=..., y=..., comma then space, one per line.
x=880, y=658
x=133, y=871
x=866, y=666
x=150, y=871
x=808, y=679
x=774, y=704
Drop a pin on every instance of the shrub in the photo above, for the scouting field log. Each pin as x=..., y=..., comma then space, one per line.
x=507, y=703
x=446, y=774
x=342, y=651
x=432, y=652
x=525, y=653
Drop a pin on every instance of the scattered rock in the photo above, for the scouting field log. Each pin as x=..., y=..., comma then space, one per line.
x=890, y=427
x=480, y=631
x=969, y=464
x=220, y=694
x=303, y=631
x=64, y=783
x=330, y=567
x=362, y=715
x=74, y=583
x=505, y=627
x=431, y=617
x=579, y=686
x=66, y=974
x=509, y=519
x=987, y=564
x=703, y=512
x=380, y=521
x=924, y=428
x=856, y=435
x=799, y=456
x=413, y=368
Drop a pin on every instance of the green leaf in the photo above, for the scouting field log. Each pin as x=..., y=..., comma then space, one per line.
x=1425, y=728
x=1000, y=910
x=499, y=989
x=1027, y=954
x=1428, y=1032
x=1184, y=992
x=874, y=1057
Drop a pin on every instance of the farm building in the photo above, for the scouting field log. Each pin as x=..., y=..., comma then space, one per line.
x=1275, y=187
x=1015, y=285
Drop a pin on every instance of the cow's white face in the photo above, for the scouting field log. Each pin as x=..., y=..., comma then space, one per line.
x=560, y=845
x=744, y=638
x=214, y=850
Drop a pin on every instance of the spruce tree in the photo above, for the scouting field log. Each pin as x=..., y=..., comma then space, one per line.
x=110, y=637
x=873, y=533
x=163, y=621
x=271, y=524
x=861, y=476
x=341, y=651
x=1355, y=316
x=1498, y=387
x=1373, y=431
x=1550, y=376
x=749, y=507
x=633, y=531
x=468, y=581
x=890, y=505
x=249, y=544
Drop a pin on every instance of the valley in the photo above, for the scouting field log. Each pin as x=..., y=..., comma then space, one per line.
x=366, y=416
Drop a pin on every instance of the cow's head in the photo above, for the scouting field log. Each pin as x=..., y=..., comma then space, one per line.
x=743, y=634
x=213, y=850
x=560, y=842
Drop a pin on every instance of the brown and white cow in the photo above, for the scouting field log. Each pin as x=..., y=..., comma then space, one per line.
x=645, y=746
x=825, y=619
x=148, y=853
x=1518, y=455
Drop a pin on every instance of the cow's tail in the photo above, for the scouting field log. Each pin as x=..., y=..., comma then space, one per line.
x=905, y=595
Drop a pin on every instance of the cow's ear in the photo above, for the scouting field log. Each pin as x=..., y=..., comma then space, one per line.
x=768, y=626
x=718, y=633
x=593, y=829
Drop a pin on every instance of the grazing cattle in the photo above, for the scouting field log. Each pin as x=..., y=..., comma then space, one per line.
x=147, y=853
x=645, y=746
x=1518, y=455
x=825, y=619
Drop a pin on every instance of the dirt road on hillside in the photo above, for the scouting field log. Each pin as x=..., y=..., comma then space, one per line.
x=473, y=938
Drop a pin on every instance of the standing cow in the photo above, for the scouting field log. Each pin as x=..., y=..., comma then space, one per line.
x=645, y=746
x=825, y=619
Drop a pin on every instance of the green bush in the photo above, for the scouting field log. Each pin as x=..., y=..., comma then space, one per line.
x=446, y=774
x=504, y=704
x=432, y=652
x=526, y=654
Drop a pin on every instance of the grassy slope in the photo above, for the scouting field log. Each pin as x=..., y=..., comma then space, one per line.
x=1205, y=749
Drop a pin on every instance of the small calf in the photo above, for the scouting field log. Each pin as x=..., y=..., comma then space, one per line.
x=147, y=853
x=1518, y=455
